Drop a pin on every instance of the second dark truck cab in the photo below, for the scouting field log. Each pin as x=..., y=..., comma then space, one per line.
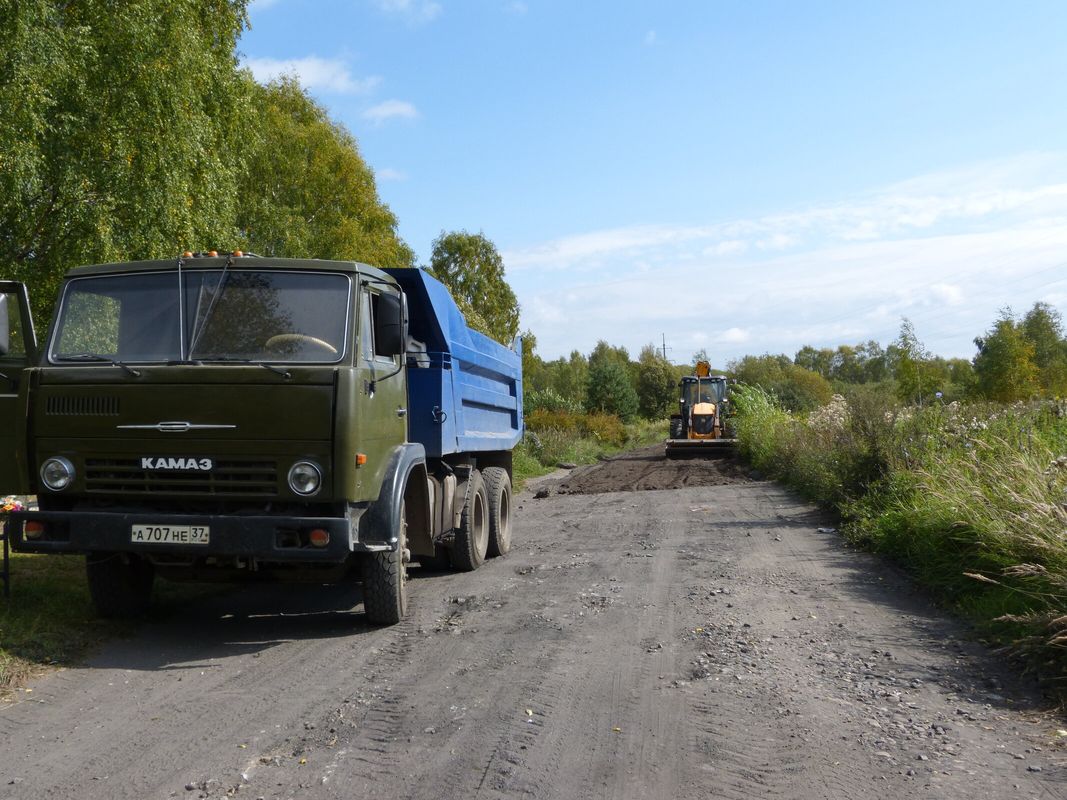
x=256, y=418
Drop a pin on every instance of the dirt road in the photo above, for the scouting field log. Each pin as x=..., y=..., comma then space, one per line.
x=697, y=642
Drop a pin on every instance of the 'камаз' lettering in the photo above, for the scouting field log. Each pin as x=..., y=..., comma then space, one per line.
x=147, y=462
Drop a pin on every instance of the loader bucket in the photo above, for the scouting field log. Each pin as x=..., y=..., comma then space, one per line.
x=680, y=448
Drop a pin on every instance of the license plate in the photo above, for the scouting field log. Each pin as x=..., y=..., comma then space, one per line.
x=170, y=534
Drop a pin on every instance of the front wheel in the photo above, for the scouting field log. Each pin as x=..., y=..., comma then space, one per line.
x=498, y=489
x=676, y=428
x=472, y=535
x=385, y=580
x=120, y=584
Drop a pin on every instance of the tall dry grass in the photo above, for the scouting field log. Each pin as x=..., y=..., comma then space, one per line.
x=971, y=498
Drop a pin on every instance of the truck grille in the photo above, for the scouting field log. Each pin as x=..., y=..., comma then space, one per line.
x=233, y=478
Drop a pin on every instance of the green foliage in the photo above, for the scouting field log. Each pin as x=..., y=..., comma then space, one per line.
x=472, y=269
x=604, y=428
x=657, y=385
x=129, y=132
x=1043, y=328
x=1004, y=367
x=609, y=390
x=110, y=144
x=533, y=368
x=917, y=376
x=306, y=191
x=549, y=400
x=796, y=388
x=852, y=364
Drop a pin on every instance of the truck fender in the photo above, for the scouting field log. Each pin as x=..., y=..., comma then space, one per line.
x=404, y=483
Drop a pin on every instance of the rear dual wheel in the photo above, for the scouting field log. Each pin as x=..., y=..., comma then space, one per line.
x=498, y=489
x=471, y=542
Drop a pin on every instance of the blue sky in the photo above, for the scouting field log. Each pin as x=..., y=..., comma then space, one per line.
x=745, y=177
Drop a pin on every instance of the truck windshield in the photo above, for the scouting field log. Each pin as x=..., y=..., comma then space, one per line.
x=242, y=315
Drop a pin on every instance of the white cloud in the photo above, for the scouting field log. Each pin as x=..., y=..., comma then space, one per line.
x=325, y=74
x=390, y=174
x=390, y=109
x=734, y=335
x=728, y=247
x=947, y=293
x=416, y=11
x=882, y=215
x=946, y=250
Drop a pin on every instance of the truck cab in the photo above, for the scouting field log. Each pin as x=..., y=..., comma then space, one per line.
x=227, y=417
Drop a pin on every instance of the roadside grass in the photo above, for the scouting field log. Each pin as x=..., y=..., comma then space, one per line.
x=49, y=620
x=972, y=499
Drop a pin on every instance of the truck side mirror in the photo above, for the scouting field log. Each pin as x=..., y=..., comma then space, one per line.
x=389, y=325
x=5, y=327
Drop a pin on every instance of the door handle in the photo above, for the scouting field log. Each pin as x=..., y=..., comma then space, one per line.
x=401, y=411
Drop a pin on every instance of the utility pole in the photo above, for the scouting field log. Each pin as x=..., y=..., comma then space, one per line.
x=665, y=348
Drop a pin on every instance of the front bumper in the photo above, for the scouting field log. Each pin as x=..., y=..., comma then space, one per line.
x=266, y=538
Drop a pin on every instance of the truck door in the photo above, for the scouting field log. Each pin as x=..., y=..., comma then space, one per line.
x=384, y=423
x=18, y=350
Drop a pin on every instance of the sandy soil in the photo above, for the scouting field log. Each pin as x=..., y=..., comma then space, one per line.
x=704, y=641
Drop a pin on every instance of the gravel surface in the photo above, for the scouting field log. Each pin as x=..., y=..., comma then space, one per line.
x=706, y=641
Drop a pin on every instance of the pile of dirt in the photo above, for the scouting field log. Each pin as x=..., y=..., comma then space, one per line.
x=649, y=468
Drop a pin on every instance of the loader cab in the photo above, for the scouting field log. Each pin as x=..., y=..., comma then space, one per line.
x=696, y=390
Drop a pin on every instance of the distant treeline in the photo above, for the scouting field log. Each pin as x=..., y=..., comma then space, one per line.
x=1016, y=359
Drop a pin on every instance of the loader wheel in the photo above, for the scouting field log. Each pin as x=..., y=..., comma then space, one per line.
x=676, y=429
x=498, y=488
x=472, y=535
x=385, y=579
x=120, y=584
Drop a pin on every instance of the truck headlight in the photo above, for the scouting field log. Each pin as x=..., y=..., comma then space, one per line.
x=57, y=473
x=305, y=478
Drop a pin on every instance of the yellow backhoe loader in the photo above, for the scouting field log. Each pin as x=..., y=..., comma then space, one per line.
x=702, y=424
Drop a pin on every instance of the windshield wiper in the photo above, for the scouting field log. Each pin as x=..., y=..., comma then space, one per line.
x=102, y=359
x=234, y=360
x=220, y=285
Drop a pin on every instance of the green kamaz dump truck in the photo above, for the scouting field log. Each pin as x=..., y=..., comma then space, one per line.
x=243, y=418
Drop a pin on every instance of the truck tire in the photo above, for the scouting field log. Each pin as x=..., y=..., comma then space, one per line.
x=385, y=580
x=676, y=428
x=498, y=489
x=472, y=535
x=120, y=585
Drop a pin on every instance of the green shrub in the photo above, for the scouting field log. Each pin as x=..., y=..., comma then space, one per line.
x=549, y=400
x=545, y=420
x=604, y=428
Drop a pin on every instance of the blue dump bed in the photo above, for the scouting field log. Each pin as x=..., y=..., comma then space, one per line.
x=465, y=390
